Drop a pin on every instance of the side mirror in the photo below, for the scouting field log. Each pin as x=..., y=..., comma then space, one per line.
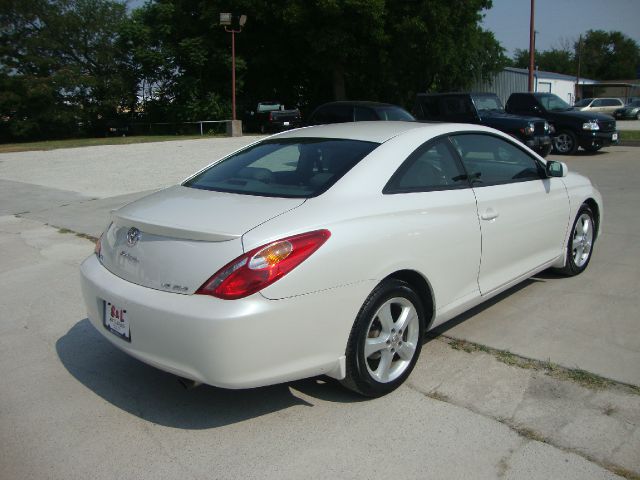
x=556, y=169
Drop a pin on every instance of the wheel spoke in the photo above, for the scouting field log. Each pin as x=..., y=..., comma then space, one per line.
x=406, y=351
x=407, y=316
x=382, y=372
x=577, y=256
x=385, y=317
x=373, y=345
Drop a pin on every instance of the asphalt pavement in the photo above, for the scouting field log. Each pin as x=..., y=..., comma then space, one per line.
x=72, y=406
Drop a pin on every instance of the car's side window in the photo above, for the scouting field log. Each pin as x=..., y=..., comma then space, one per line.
x=597, y=103
x=490, y=160
x=432, y=166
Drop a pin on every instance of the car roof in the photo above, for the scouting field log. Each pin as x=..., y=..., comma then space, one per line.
x=377, y=131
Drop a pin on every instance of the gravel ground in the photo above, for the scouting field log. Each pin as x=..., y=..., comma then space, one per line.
x=111, y=170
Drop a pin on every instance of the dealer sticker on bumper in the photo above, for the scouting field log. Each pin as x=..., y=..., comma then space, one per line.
x=116, y=321
x=614, y=137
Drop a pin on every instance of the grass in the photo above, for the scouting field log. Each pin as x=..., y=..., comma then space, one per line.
x=629, y=134
x=576, y=375
x=89, y=142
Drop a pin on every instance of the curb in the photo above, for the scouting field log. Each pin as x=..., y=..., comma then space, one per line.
x=629, y=143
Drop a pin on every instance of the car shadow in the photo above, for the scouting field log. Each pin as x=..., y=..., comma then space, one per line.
x=455, y=321
x=157, y=396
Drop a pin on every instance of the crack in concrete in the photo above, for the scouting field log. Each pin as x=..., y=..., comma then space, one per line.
x=528, y=434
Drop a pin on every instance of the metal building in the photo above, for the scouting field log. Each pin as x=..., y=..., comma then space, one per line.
x=511, y=80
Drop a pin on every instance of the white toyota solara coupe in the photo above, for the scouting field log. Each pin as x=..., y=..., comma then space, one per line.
x=331, y=250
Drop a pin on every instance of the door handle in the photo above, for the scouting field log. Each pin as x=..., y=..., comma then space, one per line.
x=489, y=214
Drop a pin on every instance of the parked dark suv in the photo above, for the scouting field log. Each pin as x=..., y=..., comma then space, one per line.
x=355, y=111
x=484, y=109
x=573, y=128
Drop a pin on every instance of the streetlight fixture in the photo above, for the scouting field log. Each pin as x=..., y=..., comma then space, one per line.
x=233, y=24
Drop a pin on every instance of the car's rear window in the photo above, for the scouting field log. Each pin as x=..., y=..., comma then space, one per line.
x=291, y=167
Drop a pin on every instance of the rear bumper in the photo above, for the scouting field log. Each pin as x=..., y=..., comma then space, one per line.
x=228, y=343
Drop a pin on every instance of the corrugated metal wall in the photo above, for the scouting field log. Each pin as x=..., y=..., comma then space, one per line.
x=503, y=84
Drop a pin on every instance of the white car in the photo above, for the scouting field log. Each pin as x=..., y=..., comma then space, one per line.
x=331, y=250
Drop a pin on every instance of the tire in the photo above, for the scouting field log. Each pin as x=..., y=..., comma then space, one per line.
x=565, y=143
x=580, y=246
x=385, y=340
x=544, y=151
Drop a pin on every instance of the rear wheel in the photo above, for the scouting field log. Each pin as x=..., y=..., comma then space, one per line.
x=580, y=247
x=565, y=143
x=386, y=339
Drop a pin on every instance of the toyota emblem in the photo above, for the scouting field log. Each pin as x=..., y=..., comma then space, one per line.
x=133, y=235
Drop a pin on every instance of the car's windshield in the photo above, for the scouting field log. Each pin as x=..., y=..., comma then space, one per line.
x=288, y=167
x=552, y=102
x=583, y=103
x=487, y=103
x=394, y=113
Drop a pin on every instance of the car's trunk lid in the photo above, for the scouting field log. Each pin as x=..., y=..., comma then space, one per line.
x=175, y=239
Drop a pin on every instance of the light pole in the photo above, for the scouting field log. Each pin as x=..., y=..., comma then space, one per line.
x=233, y=24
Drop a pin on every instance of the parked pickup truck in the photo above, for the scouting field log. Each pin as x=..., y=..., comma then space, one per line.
x=573, y=128
x=271, y=117
x=484, y=109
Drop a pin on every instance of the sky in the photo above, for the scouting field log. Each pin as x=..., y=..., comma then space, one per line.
x=559, y=21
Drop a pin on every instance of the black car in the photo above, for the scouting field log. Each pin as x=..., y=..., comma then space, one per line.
x=573, y=128
x=631, y=111
x=484, y=109
x=356, y=111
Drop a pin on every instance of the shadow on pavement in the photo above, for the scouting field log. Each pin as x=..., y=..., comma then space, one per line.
x=442, y=329
x=157, y=396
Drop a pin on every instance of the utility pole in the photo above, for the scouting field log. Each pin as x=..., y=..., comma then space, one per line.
x=532, y=44
x=579, y=64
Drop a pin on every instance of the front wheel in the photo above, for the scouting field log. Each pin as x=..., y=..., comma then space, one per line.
x=565, y=143
x=580, y=247
x=386, y=339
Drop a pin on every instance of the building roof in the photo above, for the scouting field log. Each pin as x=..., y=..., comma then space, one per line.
x=550, y=75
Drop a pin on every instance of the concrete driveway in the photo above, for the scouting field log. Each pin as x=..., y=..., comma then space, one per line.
x=72, y=406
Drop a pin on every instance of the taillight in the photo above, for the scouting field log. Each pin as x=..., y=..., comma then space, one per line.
x=270, y=116
x=98, y=248
x=259, y=268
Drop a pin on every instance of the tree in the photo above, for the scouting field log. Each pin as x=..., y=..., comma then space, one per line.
x=603, y=55
x=306, y=52
x=65, y=66
x=554, y=60
x=609, y=56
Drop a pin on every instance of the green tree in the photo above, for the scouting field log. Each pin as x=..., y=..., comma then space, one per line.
x=64, y=65
x=306, y=52
x=603, y=56
x=608, y=55
x=554, y=60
